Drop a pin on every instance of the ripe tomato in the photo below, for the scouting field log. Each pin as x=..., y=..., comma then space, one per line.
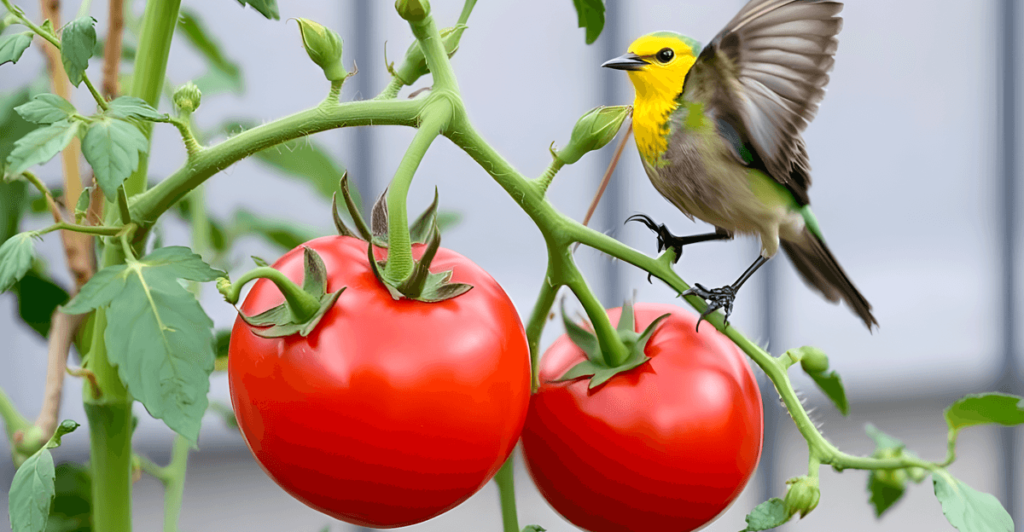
x=390, y=412
x=664, y=447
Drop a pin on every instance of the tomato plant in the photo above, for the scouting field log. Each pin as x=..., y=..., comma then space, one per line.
x=391, y=411
x=664, y=446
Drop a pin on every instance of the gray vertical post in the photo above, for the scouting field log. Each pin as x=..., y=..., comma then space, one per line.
x=768, y=476
x=360, y=162
x=614, y=197
x=1010, y=378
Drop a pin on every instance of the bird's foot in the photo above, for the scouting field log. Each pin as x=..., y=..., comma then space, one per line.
x=666, y=240
x=717, y=298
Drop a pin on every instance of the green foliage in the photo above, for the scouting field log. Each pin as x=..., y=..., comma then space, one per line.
x=590, y=15
x=71, y=510
x=224, y=74
x=534, y=528
x=41, y=145
x=13, y=45
x=112, y=147
x=46, y=108
x=157, y=335
x=38, y=297
x=14, y=127
x=82, y=205
x=885, y=487
x=267, y=8
x=16, y=256
x=12, y=201
x=128, y=107
x=767, y=515
x=33, y=487
x=967, y=509
x=832, y=386
x=983, y=409
x=76, y=45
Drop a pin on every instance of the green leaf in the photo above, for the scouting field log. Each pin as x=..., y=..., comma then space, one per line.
x=46, y=108
x=983, y=409
x=267, y=8
x=767, y=515
x=158, y=335
x=967, y=509
x=883, y=440
x=71, y=510
x=16, y=256
x=82, y=206
x=13, y=45
x=112, y=148
x=283, y=233
x=127, y=107
x=583, y=338
x=832, y=386
x=885, y=489
x=534, y=528
x=38, y=297
x=41, y=145
x=77, y=42
x=302, y=158
x=32, y=492
x=224, y=72
x=13, y=126
x=590, y=15
x=12, y=204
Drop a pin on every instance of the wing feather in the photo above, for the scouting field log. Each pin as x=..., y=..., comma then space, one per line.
x=766, y=73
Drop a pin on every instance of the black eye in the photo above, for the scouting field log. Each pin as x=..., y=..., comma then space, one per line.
x=665, y=55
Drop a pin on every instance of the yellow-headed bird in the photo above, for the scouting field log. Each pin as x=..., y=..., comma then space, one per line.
x=718, y=131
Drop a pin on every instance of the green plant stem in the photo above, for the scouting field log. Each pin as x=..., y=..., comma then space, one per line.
x=544, y=181
x=100, y=100
x=184, y=126
x=614, y=351
x=400, y=263
x=98, y=230
x=507, y=491
x=390, y=92
x=467, y=9
x=13, y=420
x=174, y=483
x=301, y=304
x=440, y=67
x=110, y=439
x=535, y=327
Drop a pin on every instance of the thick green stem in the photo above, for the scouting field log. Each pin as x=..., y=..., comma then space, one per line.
x=302, y=305
x=535, y=327
x=614, y=351
x=400, y=263
x=110, y=438
x=544, y=181
x=174, y=483
x=390, y=92
x=507, y=491
x=440, y=67
x=13, y=420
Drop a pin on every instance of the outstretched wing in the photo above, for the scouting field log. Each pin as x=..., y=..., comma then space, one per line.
x=765, y=74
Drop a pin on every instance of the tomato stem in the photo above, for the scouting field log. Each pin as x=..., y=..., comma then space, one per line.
x=535, y=327
x=302, y=304
x=506, y=490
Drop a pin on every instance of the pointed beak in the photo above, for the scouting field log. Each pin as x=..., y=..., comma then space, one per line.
x=629, y=61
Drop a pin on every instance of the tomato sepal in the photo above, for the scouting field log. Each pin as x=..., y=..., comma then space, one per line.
x=596, y=367
x=362, y=231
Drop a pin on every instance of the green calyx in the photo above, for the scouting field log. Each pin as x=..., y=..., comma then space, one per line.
x=594, y=131
x=414, y=65
x=413, y=10
x=598, y=365
x=187, y=98
x=422, y=285
x=324, y=47
x=803, y=496
x=303, y=308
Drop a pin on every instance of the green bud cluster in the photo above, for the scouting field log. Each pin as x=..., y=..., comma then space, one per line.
x=592, y=132
x=324, y=48
x=413, y=10
x=187, y=98
x=803, y=496
x=813, y=360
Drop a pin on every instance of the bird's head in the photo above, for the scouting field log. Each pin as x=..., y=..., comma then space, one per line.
x=658, y=63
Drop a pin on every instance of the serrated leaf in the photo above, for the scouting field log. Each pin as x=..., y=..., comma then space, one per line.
x=127, y=107
x=970, y=510
x=16, y=256
x=267, y=8
x=32, y=493
x=303, y=158
x=38, y=297
x=767, y=515
x=286, y=234
x=71, y=510
x=112, y=148
x=983, y=409
x=46, y=108
x=224, y=72
x=41, y=145
x=13, y=45
x=101, y=289
x=590, y=15
x=77, y=41
x=182, y=263
x=832, y=386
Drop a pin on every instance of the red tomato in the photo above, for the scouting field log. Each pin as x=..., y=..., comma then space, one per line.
x=390, y=412
x=664, y=447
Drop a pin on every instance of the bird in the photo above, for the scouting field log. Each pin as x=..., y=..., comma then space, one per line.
x=719, y=130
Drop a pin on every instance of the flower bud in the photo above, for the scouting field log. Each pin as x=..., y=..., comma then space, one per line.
x=413, y=10
x=803, y=495
x=592, y=132
x=324, y=48
x=813, y=360
x=187, y=98
x=414, y=66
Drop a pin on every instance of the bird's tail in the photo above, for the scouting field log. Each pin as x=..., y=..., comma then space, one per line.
x=820, y=269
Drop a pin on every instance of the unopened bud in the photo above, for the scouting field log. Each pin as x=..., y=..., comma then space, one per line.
x=324, y=48
x=813, y=360
x=414, y=66
x=413, y=10
x=593, y=132
x=803, y=495
x=187, y=98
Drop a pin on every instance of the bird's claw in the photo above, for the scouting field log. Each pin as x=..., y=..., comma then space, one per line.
x=666, y=240
x=717, y=298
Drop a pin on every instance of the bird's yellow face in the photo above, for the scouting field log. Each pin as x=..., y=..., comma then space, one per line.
x=657, y=65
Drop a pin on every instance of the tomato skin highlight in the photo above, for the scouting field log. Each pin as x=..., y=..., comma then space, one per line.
x=667, y=446
x=390, y=412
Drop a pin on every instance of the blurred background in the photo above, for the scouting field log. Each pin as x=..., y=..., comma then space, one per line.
x=916, y=184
